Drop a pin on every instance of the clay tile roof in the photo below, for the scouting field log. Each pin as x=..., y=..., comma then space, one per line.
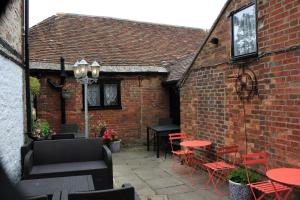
x=178, y=68
x=114, y=42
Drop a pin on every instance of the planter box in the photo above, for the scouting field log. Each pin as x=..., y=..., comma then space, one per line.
x=238, y=191
x=115, y=146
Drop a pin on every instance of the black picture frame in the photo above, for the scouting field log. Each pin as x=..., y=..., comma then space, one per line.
x=244, y=32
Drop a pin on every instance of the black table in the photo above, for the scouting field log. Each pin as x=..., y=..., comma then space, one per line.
x=52, y=186
x=160, y=131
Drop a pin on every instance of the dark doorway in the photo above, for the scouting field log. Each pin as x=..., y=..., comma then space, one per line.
x=174, y=104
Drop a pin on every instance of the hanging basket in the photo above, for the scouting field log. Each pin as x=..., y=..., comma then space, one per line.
x=66, y=95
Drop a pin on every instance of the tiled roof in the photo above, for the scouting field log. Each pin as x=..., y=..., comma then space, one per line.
x=114, y=42
x=178, y=69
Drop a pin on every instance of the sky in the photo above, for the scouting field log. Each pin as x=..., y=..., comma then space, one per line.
x=189, y=13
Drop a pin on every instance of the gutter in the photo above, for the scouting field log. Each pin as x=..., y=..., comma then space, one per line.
x=27, y=70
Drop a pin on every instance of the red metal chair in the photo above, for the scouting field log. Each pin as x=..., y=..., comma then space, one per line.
x=267, y=187
x=221, y=169
x=182, y=154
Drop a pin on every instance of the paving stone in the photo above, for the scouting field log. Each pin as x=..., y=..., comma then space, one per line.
x=122, y=170
x=183, y=196
x=129, y=179
x=174, y=190
x=157, y=197
x=144, y=190
x=150, y=173
x=163, y=182
x=154, y=179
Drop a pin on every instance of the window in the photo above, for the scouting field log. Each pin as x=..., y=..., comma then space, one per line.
x=244, y=32
x=104, y=94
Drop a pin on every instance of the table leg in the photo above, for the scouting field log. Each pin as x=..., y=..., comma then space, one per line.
x=157, y=145
x=147, y=138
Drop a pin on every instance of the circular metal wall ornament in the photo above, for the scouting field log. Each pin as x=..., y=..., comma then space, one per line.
x=246, y=84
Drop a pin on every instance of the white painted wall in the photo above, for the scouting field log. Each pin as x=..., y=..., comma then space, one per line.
x=11, y=117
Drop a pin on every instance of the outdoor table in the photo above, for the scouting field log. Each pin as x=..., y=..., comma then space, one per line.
x=51, y=186
x=160, y=131
x=194, y=144
x=288, y=176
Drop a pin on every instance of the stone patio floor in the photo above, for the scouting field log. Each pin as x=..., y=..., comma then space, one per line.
x=154, y=179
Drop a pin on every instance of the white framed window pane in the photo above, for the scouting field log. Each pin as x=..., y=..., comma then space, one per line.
x=110, y=94
x=93, y=95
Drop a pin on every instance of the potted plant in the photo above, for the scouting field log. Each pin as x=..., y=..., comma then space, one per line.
x=111, y=138
x=41, y=129
x=35, y=89
x=67, y=90
x=238, y=184
x=99, y=128
x=35, y=86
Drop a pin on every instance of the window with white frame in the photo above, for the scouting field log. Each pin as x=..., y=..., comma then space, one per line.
x=104, y=94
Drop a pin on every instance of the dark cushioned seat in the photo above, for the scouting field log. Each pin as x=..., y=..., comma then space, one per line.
x=68, y=167
x=126, y=192
x=70, y=157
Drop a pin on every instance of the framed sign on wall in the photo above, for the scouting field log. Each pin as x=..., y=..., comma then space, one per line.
x=244, y=33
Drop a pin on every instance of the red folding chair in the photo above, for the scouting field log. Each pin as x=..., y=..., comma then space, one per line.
x=267, y=187
x=221, y=169
x=183, y=155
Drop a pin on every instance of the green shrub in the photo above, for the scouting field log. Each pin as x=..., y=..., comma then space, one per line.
x=41, y=128
x=35, y=86
x=239, y=176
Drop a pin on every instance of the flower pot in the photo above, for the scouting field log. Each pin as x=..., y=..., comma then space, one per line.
x=115, y=146
x=66, y=95
x=238, y=191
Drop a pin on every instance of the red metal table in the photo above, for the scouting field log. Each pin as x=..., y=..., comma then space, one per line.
x=191, y=160
x=288, y=176
x=195, y=143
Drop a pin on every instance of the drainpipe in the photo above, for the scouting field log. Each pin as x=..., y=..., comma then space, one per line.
x=63, y=75
x=27, y=71
x=140, y=79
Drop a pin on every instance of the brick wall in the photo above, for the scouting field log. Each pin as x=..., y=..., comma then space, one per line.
x=143, y=100
x=272, y=118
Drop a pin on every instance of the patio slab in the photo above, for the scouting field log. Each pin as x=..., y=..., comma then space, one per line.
x=150, y=173
x=154, y=179
x=158, y=183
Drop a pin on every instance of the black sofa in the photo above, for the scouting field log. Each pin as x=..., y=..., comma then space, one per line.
x=70, y=157
x=125, y=193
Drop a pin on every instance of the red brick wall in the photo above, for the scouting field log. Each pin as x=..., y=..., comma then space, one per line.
x=143, y=100
x=208, y=95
